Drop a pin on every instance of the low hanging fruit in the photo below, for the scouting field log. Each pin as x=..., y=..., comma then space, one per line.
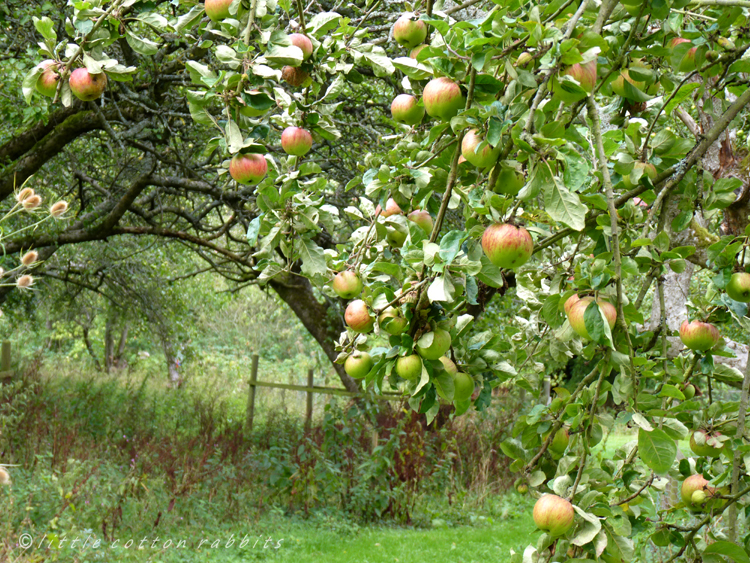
x=357, y=316
x=248, y=169
x=296, y=141
x=87, y=86
x=706, y=445
x=422, y=219
x=47, y=83
x=358, y=365
x=554, y=515
x=434, y=344
x=294, y=76
x=409, y=32
x=442, y=98
x=576, y=317
x=217, y=10
x=463, y=386
x=647, y=169
x=405, y=109
x=482, y=159
x=347, y=284
x=699, y=336
x=409, y=367
x=584, y=74
x=392, y=322
x=507, y=246
x=738, y=287
x=304, y=43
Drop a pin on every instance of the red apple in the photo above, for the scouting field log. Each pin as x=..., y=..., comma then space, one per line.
x=648, y=170
x=482, y=159
x=578, y=310
x=699, y=336
x=294, y=76
x=406, y=109
x=46, y=84
x=358, y=365
x=422, y=219
x=304, y=43
x=391, y=208
x=357, y=316
x=409, y=32
x=572, y=300
x=217, y=10
x=434, y=344
x=415, y=51
x=442, y=98
x=86, y=86
x=709, y=446
x=507, y=246
x=409, y=367
x=392, y=322
x=347, y=284
x=296, y=141
x=554, y=515
x=738, y=287
x=584, y=74
x=693, y=485
x=618, y=84
x=248, y=168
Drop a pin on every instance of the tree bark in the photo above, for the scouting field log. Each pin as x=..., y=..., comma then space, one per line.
x=323, y=320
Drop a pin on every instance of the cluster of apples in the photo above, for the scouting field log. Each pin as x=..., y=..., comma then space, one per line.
x=251, y=168
x=395, y=235
x=431, y=347
x=575, y=309
x=85, y=85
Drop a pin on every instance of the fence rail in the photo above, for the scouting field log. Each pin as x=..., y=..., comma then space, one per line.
x=310, y=389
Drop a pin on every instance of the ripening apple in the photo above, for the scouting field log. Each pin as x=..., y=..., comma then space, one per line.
x=347, y=284
x=249, y=168
x=441, y=343
x=572, y=300
x=648, y=170
x=618, y=84
x=507, y=246
x=686, y=63
x=510, y=180
x=296, y=141
x=358, y=365
x=357, y=316
x=392, y=322
x=294, y=76
x=422, y=219
x=710, y=446
x=482, y=159
x=524, y=59
x=554, y=515
x=217, y=10
x=87, y=86
x=577, y=312
x=416, y=50
x=463, y=386
x=409, y=367
x=409, y=32
x=559, y=443
x=699, y=336
x=584, y=74
x=396, y=235
x=46, y=84
x=689, y=391
x=304, y=43
x=738, y=287
x=391, y=208
x=442, y=98
x=691, y=485
x=406, y=109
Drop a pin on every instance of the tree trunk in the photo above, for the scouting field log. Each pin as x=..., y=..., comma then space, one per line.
x=175, y=378
x=90, y=349
x=323, y=320
x=109, y=342
x=121, y=346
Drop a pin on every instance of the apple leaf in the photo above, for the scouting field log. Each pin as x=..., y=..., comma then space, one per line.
x=729, y=549
x=444, y=385
x=657, y=450
x=591, y=527
x=313, y=258
x=563, y=205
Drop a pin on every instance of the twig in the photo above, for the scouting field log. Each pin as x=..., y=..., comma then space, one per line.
x=737, y=459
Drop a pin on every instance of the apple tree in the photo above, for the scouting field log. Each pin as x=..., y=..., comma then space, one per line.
x=581, y=156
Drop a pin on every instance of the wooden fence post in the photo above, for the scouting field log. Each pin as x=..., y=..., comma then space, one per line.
x=308, y=415
x=5, y=357
x=251, y=393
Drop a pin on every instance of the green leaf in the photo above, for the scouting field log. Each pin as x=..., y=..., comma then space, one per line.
x=291, y=55
x=313, y=258
x=657, y=450
x=564, y=206
x=322, y=23
x=28, y=86
x=46, y=27
x=729, y=549
x=141, y=45
x=253, y=229
x=684, y=92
